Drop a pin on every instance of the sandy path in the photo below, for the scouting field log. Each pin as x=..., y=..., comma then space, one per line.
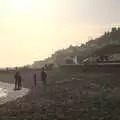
x=8, y=94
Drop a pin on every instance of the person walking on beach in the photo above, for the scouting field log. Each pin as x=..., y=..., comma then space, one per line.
x=19, y=81
x=16, y=80
x=43, y=76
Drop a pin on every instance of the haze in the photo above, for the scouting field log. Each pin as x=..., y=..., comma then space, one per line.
x=34, y=29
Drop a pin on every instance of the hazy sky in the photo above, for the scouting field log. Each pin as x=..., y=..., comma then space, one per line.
x=33, y=29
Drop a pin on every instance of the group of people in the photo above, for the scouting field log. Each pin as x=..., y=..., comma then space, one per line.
x=18, y=79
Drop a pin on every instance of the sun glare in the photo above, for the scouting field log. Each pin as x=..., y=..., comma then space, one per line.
x=40, y=7
x=21, y=5
x=21, y=2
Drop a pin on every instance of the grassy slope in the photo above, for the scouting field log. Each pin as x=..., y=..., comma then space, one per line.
x=86, y=96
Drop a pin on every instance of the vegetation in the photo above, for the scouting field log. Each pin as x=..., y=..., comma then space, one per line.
x=69, y=95
x=88, y=49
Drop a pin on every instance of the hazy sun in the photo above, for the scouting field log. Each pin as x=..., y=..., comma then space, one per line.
x=21, y=2
x=21, y=5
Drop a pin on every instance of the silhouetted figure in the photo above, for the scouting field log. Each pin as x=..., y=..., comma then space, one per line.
x=18, y=81
x=35, y=79
x=43, y=76
x=16, y=68
x=7, y=69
